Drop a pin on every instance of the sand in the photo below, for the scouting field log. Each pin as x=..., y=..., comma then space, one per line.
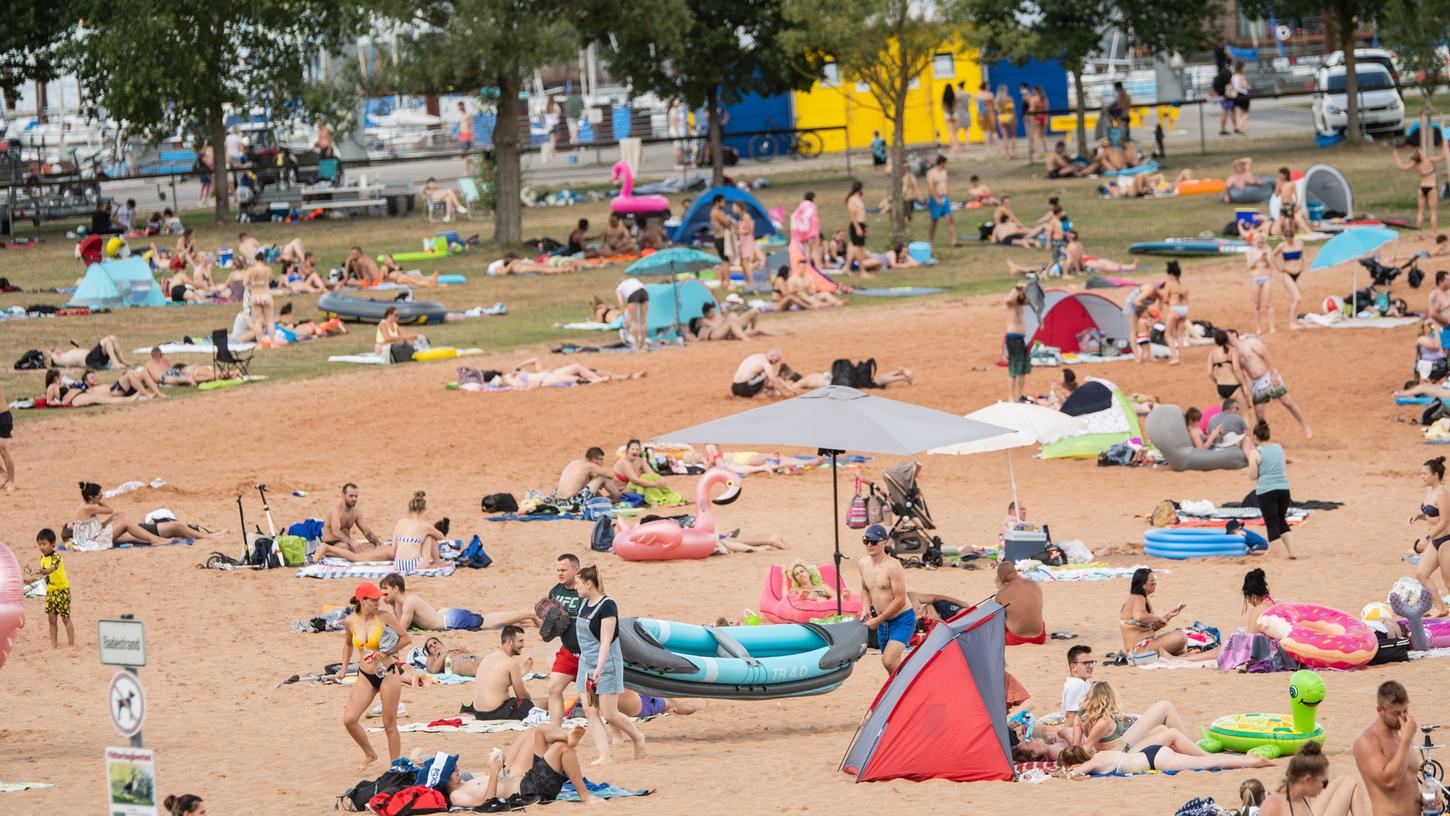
x=219, y=642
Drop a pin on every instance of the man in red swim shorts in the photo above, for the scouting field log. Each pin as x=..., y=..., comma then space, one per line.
x=566, y=660
x=1023, y=600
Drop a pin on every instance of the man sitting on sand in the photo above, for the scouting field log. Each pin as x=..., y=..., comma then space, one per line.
x=360, y=270
x=616, y=237
x=341, y=519
x=1060, y=166
x=979, y=192
x=714, y=325
x=499, y=692
x=1023, y=600
x=586, y=478
x=537, y=764
x=412, y=611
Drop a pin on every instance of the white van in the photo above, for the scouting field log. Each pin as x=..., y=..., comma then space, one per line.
x=1380, y=106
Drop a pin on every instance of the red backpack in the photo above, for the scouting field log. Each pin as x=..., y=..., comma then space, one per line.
x=409, y=801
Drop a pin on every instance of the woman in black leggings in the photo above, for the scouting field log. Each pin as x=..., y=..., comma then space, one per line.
x=1271, y=485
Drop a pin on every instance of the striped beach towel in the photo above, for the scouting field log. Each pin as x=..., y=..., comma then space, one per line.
x=337, y=568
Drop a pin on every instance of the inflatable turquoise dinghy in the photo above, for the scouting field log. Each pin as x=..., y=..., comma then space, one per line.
x=670, y=659
x=1191, y=246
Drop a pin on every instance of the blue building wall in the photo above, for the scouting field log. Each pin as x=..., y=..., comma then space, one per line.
x=755, y=113
x=1048, y=74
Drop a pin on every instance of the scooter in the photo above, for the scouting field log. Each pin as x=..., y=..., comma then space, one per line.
x=250, y=539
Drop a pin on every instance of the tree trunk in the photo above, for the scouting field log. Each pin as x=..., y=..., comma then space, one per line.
x=221, y=180
x=1081, y=113
x=717, y=154
x=508, y=227
x=1345, y=18
x=899, y=233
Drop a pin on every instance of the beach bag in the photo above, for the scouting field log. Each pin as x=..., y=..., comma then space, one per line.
x=408, y=802
x=32, y=360
x=602, y=539
x=356, y=798
x=1392, y=649
x=875, y=510
x=293, y=549
x=500, y=503
x=400, y=353
x=261, y=554
x=856, y=517
x=597, y=508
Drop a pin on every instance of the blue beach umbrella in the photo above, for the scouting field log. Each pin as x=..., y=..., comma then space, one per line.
x=1351, y=245
x=671, y=262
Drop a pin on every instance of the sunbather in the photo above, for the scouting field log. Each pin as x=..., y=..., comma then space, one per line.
x=414, y=545
x=435, y=658
x=767, y=372
x=1077, y=262
x=1003, y=232
x=499, y=692
x=390, y=333
x=1082, y=762
x=1145, y=631
x=1105, y=727
x=393, y=273
x=1060, y=166
x=746, y=462
x=784, y=297
x=98, y=526
x=160, y=368
x=512, y=264
x=586, y=478
x=713, y=325
x=803, y=587
x=979, y=192
x=448, y=198
x=303, y=278
x=634, y=704
x=88, y=390
x=638, y=476
x=291, y=252
x=308, y=328
x=414, y=611
x=537, y=764
x=616, y=237
x=106, y=353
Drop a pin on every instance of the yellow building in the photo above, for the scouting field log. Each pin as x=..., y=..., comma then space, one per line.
x=837, y=101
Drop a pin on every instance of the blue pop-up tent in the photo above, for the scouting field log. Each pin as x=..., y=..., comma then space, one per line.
x=117, y=285
x=698, y=216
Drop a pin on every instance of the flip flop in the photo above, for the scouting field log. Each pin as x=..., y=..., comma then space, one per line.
x=1063, y=636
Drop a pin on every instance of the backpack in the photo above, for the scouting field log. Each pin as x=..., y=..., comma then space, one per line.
x=409, y=801
x=500, y=503
x=400, y=353
x=1221, y=82
x=1391, y=649
x=356, y=798
x=1165, y=514
x=602, y=539
x=855, y=375
x=32, y=360
x=263, y=554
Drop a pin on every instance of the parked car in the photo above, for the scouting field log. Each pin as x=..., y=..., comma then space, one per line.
x=1362, y=56
x=1380, y=107
x=275, y=163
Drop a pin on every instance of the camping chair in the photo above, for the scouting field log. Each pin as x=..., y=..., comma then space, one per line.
x=226, y=364
x=911, y=543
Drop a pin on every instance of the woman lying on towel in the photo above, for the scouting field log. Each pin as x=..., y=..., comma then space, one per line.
x=1082, y=762
x=1106, y=728
x=528, y=375
x=394, y=273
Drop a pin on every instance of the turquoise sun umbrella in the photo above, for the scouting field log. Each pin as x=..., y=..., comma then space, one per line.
x=1351, y=245
x=673, y=262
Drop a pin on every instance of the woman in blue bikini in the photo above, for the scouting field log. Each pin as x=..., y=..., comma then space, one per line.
x=1435, y=510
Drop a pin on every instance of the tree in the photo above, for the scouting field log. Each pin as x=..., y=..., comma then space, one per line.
x=28, y=39
x=1414, y=30
x=179, y=65
x=1071, y=31
x=1344, y=18
x=707, y=52
x=468, y=45
x=886, y=44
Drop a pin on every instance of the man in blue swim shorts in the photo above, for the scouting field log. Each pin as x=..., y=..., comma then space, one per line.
x=939, y=200
x=883, y=583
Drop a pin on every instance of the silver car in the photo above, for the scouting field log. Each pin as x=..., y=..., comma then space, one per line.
x=1380, y=107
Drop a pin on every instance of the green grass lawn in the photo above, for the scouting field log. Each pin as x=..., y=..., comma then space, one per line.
x=537, y=304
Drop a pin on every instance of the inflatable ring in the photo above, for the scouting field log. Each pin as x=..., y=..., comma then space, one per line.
x=12, y=601
x=436, y=353
x=1320, y=636
x=1200, y=186
x=1187, y=542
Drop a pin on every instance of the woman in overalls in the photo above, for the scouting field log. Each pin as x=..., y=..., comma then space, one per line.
x=601, y=665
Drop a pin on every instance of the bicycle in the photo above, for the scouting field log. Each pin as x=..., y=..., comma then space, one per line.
x=798, y=144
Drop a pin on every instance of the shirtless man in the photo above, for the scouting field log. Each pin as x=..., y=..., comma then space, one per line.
x=980, y=192
x=883, y=582
x=499, y=673
x=1023, y=599
x=717, y=326
x=1005, y=208
x=1265, y=381
x=537, y=763
x=1385, y=755
x=617, y=238
x=323, y=145
x=1019, y=359
x=1240, y=176
x=360, y=268
x=939, y=200
x=1060, y=166
x=720, y=226
x=856, y=218
x=587, y=478
x=1111, y=157
x=248, y=247
x=1439, y=308
x=412, y=611
x=341, y=519
x=160, y=369
x=760, y=372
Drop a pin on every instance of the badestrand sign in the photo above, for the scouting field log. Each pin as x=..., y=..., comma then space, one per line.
x=123, y=643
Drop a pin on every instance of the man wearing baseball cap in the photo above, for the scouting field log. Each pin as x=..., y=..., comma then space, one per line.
x=883, y=582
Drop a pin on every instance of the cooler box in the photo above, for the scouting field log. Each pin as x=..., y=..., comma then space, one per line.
x=1020, y=544
x=449, y=238
x=1246, y=216
x=920, y=251
x=1315, y=211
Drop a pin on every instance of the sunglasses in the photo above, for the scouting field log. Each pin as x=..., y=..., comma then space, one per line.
x=1088, y=663
x=869, y=541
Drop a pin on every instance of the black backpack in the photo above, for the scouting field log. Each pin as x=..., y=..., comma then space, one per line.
x=855, y=375
x=32, y=360
x=356, y=798
x=602, y=539
x=261, y=554
x=1220, y=82
x=500, y=503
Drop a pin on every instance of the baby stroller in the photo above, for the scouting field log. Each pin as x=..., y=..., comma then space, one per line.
x=911, y=543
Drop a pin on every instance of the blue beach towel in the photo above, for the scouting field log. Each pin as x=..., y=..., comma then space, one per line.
x=603, y=790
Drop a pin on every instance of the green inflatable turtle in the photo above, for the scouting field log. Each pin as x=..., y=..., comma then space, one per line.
x=1272, y=735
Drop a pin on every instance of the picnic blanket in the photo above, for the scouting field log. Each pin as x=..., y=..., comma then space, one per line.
x=199, y=347
x=594, y=325
x=338, y=568
x=540, y=517
x=1335, y=321
x=359, y=359
x=11, y=787
x=482, y=726
x=603, y=790
x=1093, y=571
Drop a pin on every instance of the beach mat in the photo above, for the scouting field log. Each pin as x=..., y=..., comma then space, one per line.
x=1096, y=571
x=1318, y=321
x=602, y=790
x=12, y=787
x=330, y=568
x=899, y=291
x=358, y=359
x=1414, y=400
x=195, y=348
x=516, y=517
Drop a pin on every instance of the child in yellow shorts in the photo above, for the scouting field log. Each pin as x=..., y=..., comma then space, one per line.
x=57, y=588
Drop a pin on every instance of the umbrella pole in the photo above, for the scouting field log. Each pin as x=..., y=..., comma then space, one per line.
x=835, y=519
x=1012, y=475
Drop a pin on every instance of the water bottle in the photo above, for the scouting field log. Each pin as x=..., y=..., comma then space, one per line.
x=1429, y=797
x=301, y=494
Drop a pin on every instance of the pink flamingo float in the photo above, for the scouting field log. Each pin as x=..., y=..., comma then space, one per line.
x=12, y=601
x=666, y=540
x=627, y=203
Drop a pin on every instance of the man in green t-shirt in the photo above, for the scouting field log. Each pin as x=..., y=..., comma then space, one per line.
x=573, y=110
x=566, y=660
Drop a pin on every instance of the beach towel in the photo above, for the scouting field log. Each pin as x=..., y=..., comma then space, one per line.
x=199, y=347
x=1337, y=321
x=899, y=291
x=1095, y=571
x=476, y=388
x=496, y=310
x=440, y=679
x=338, y=568
x=11, y=787
x=592, y=325
x=481, y=726
x=359, y=359
x=540, y=517
x=603, y=790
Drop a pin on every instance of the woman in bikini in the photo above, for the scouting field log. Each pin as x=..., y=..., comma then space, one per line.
x=750, y=255
x=1006, y=122
x=1257, y=599
x=1261, y=268
x=1435, y=511
x=1081, y=762
x=259, y=298
x=415, y=541
x=1104, y=727
x=1426, y=196
x=638, y=477
x=86, y=391
x=375, y=633
x=1146, y=631
x=98, y=526
x=1288, y=256
x=528, y=375
x=1175, y=297
x=783, y=296
x=394, y=273
x=1224, y=369
x=1308, y=791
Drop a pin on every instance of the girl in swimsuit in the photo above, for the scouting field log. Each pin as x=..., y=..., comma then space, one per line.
x=1260, y=268
x=1289, y=257
x=393, y=273
x=1223, y=366
x=1145, y=631
x=1308, y=791
x=259, y=297
x=1081, y=762
x=1423, y=164
x=1288, y=193
x=1435, y=510
x=415, y=541
x=637, y=475
x=1175, y=295
x=1105, y=727
x=1256, y=599
x=380, y=672
x=1006, y=121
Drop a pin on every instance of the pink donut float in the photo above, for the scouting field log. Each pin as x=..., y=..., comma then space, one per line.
x=12, y=601
x=1319, y=636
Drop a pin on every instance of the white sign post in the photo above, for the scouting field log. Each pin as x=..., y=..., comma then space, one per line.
x=131, y=781
x=123, y=643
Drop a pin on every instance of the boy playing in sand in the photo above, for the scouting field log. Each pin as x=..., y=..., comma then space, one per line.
x=57, y=588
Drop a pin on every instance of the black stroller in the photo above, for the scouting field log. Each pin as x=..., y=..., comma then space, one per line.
x=911, y=542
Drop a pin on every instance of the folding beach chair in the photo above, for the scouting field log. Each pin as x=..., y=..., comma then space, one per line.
x=226, y=364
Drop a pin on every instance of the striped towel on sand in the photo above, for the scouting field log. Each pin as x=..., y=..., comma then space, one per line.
x=337, y=568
